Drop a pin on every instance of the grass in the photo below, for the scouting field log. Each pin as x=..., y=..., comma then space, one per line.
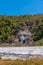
x=35, y=61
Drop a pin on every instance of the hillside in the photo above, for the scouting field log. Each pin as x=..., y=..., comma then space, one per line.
x=11, y=25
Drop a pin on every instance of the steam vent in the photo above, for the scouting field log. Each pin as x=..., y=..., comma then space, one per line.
x=24, y=36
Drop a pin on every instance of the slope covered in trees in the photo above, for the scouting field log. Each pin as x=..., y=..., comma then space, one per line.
x=9, y=25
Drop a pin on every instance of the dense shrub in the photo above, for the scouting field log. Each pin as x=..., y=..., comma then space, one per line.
x=10, y=24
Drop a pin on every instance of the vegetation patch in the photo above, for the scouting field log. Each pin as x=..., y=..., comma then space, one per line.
x=10, y=25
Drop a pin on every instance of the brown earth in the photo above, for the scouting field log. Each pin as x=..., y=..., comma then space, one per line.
x=35, y=61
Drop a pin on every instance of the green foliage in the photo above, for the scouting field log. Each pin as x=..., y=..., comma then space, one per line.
x=40, y=42
x=36, y=36
x=38, y=31
x=10, y=24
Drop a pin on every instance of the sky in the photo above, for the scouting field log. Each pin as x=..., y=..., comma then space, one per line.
x=21, y=7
